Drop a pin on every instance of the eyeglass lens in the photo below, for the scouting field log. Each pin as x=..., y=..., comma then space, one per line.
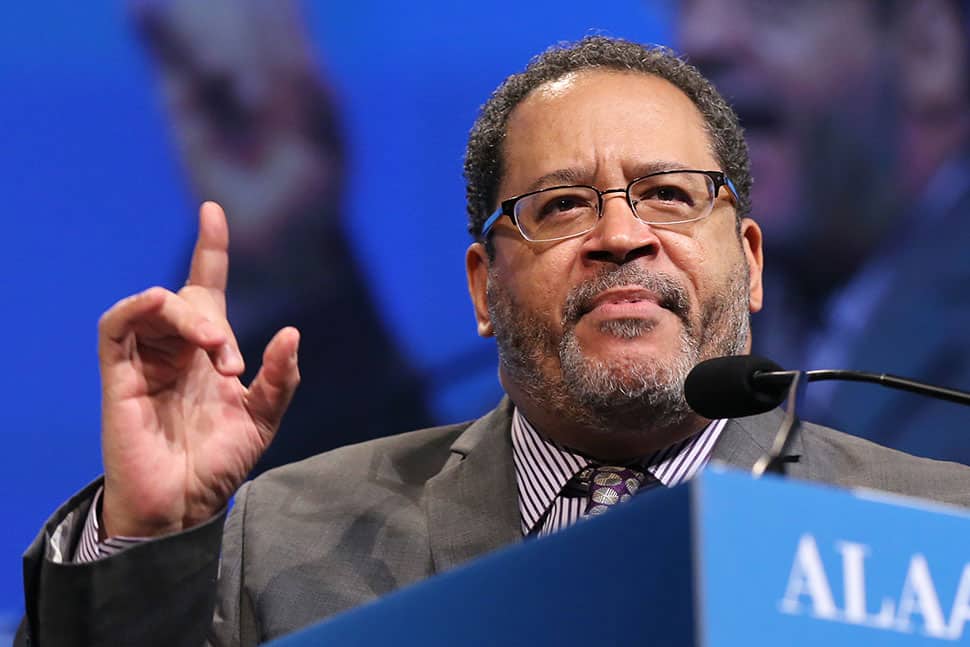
x=666, y=198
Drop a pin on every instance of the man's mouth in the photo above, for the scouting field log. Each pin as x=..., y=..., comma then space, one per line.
x=629, y=292
x=632, y=302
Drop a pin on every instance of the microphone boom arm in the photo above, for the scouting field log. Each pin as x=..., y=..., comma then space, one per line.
x=782, y=378
x=771, y=462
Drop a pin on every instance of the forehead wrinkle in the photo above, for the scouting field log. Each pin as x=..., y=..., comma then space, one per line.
x=579, y=175
x=569, y=175
x=639, y=169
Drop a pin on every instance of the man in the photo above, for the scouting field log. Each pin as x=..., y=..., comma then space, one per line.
x=608, y=194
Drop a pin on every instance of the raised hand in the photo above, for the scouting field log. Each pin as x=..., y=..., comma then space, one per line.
x=180, y=432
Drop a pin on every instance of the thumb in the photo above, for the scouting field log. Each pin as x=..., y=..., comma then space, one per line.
x=272, y=389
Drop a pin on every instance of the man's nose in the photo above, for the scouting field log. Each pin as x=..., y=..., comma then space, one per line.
x=620, y=236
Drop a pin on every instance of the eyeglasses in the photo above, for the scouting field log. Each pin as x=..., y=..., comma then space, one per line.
x=662, y=198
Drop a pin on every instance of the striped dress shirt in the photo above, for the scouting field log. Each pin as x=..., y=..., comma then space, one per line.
x=543, y=468
x=90, y=547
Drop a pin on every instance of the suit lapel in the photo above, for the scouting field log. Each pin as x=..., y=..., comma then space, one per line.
x=745, y=440
x=472, y=506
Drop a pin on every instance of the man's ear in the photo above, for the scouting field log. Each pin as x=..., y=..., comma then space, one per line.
x=754, y=256
x=476, y=269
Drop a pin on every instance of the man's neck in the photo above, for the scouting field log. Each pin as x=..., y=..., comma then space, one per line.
x=623, y=443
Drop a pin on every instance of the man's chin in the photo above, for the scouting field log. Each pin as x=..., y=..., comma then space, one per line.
x=625, y=357
x=621, y=337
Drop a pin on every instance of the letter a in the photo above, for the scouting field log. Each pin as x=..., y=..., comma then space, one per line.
x=961, y=606
x=808, y=578
x=919, y=596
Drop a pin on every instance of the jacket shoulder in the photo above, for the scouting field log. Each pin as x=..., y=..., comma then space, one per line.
x=411, y=457
x=842, y=459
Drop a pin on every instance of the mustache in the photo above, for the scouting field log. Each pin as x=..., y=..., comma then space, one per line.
x=671, y=293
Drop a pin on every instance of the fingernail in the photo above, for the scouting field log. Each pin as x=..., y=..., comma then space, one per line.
x=229, y=358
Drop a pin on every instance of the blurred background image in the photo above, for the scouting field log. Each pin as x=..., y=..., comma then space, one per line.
x=857, y=113
x=334, y=135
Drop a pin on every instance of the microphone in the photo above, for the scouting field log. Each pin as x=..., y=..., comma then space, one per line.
x=745, y=385
x=726, y=387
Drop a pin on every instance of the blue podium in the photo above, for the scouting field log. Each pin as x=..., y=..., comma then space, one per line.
x=723, y=561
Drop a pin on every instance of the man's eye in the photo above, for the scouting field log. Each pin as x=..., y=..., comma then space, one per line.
x=563, y=205
x=668, y=193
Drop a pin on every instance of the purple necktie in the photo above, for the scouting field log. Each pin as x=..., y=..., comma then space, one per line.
x=607, y=485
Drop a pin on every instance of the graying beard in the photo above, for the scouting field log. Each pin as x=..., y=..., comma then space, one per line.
x=622, y=395
x=627, y=328
x=615, y=397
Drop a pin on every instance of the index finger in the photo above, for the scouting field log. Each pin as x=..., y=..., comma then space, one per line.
x=210, y=259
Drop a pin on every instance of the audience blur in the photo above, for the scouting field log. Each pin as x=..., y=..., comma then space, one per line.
x=857, y=115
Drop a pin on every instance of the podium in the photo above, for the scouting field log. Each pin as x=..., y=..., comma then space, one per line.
x=725, y=560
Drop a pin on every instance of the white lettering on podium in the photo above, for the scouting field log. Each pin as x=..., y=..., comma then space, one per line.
x=919, y=596
x=809, y=591
x=960, y=612
x=807, y=578
x=854, y=585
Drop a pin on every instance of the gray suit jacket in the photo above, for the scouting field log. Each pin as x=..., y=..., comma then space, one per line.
x=314, y=538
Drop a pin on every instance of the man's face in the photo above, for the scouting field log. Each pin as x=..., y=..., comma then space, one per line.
x=602, y=328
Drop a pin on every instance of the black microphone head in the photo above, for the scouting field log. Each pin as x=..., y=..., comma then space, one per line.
x=723, y=387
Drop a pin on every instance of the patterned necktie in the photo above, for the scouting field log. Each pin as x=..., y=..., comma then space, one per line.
x=607, y=485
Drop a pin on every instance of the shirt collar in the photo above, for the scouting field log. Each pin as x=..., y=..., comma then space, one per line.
x=543, y=467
